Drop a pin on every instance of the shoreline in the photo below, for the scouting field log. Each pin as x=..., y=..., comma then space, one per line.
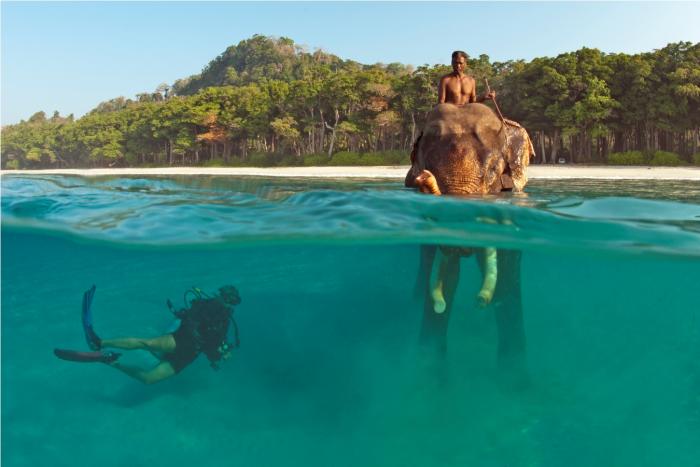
x=536, y=172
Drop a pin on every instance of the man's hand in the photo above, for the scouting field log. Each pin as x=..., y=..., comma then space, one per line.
x=491, y=95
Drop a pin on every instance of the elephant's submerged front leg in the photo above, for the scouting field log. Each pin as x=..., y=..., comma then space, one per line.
x=434, y=326
x=508, y=308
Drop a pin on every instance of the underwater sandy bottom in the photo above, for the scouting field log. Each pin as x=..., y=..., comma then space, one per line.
x=330, y=372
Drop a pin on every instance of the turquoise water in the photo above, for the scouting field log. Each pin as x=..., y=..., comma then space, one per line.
x=330, y=370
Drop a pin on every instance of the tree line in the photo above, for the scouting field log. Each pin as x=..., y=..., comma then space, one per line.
x=270, y=96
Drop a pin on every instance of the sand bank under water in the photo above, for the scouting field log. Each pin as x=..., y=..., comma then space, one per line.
x=391, y=172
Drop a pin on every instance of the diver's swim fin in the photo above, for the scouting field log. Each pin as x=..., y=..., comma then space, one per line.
x=93, y=341
x=86, y=357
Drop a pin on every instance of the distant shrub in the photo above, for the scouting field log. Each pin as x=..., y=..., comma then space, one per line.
x=12, y=165
x=370, y=158
x=346, y=158
x=666, y=158
x=319, y=159
x=214, y=163
x=627, y=158
x=310, y=160
x=396, y=157
x=289, y=161
x=695, y=159
x=260, y=159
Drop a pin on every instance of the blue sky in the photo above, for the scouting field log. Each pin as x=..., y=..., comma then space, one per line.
x=71, y=56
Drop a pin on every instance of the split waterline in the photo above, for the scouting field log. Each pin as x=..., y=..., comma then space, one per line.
x=330, y=370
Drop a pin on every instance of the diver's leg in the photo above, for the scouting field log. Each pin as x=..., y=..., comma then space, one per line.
x=434, y=327
x=158, y=373
x=165, y=343
x=93, y=341
x=507, y=302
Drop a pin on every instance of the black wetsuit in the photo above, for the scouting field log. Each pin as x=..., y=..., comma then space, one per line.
x=186, y=350
x=202, y=329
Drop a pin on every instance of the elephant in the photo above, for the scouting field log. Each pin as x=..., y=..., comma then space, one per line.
x=468, y=150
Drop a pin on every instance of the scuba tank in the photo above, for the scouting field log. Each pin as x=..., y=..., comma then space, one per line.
x=209, y=319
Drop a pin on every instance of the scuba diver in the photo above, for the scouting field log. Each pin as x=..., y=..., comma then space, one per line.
x=204, y=327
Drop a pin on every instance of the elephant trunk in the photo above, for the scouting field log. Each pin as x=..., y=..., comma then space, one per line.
x=427, y=183
x=454, y=184
x=490, y=273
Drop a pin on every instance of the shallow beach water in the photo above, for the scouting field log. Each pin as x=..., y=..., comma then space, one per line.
x=330, y=370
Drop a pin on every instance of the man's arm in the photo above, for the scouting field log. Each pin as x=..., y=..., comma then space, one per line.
x=485, y=97
x=472, y=96
x=488, y=96
x=442, y=90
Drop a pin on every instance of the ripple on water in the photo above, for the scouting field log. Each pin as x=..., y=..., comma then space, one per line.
x=629, y=216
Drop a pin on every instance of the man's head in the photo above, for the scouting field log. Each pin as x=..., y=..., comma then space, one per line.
x=459, y=61
x=229, y=295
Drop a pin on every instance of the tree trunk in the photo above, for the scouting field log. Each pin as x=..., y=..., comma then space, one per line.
x=572, y=149
x=555, y=146
x=543, y=159
x=312, y=133
x=413, y=127
x=333, y=129
x=322, y=136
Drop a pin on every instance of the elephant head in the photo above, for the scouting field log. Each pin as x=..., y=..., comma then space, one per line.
x=470, y=150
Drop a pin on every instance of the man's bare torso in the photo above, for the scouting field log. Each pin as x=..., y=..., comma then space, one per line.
x=457, y=89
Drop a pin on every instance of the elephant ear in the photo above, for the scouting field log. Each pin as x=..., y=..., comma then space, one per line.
x=414, y=170
x=493, y=170
x=518, y=154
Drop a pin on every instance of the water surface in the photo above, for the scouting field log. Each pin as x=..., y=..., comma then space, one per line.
x=330, y=371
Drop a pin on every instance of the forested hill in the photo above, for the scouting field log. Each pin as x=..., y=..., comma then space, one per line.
x=268, y=101
x=256, y=59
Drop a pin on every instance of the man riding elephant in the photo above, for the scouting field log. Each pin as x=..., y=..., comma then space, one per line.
x=466, y=149
x=458, y=88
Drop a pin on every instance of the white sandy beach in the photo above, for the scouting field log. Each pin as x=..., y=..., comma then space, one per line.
x=536, y=172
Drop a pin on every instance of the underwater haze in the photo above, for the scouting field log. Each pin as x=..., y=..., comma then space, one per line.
x=331, y=370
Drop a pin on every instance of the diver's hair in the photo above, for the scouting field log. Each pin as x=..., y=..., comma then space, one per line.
x=459, y=53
